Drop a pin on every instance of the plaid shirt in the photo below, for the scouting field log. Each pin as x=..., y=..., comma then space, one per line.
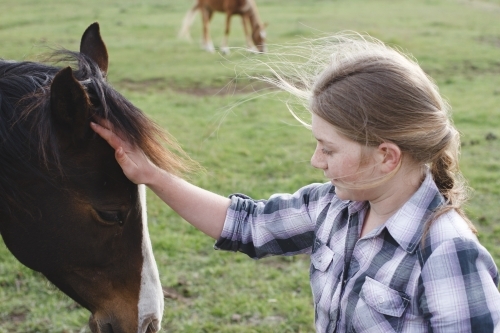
x=384, y=282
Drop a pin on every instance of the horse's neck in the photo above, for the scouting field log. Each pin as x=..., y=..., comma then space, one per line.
x=253, y=15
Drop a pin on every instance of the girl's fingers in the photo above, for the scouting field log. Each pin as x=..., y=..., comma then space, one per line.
x=103, y=122
x=110, y=137
x=127, y=156
x=121, y=157
x=107, y=125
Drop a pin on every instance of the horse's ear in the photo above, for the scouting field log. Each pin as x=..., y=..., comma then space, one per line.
x=70, y=106
x=93, y=46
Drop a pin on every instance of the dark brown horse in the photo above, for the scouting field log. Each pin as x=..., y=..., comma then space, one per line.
x=247, y=9
x=66, y=208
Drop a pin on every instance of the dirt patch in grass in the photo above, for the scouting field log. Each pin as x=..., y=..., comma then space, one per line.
x=490, y=40
x=195, y=89
x=18, y=315
x=484, y=5
x=466, y=68
x=177, y=296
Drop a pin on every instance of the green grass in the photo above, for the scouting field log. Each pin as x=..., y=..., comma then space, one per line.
x=256, y=147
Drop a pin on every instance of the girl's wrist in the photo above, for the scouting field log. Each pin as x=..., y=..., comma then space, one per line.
x=155, y=176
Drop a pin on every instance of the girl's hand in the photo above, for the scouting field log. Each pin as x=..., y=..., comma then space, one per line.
x=203, y=209
x=134, y=163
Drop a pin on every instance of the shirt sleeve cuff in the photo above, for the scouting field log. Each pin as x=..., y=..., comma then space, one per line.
x=230, y=237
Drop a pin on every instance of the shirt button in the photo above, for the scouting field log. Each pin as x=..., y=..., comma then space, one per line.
x=380, y=299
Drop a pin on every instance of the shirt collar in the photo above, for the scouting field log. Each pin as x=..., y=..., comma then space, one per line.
x=356, y=206
x=407, y=224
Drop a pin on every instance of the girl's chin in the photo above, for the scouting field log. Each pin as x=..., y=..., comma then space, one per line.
x=341, y=192
x=338, y=184
x=342, y=195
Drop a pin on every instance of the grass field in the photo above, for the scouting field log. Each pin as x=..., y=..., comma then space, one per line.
x=255, y=147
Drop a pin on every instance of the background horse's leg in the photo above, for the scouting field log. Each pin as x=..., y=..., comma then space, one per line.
x=206, y=15
x=247, y=28
x=188, y=21
x=224, y=48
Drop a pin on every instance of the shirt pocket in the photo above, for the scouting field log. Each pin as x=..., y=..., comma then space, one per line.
x=383, y=299
x=323, y=262
x=322, y=258
x=379, y=306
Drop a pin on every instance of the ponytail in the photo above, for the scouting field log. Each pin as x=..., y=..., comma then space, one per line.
x=449, y=180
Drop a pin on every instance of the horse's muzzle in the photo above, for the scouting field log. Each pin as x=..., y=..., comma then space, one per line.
x=99, y=327
x=151, y=325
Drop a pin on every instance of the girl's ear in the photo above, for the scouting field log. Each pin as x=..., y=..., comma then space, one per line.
x=388, y=156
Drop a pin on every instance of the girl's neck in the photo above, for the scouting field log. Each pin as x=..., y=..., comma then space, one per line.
x=391, y=196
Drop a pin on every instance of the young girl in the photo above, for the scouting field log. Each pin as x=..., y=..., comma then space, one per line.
x=391, y=249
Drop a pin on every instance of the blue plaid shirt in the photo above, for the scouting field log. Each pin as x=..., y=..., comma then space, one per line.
x=387, y=281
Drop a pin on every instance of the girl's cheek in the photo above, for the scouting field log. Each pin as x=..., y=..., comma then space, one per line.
x=347, y=170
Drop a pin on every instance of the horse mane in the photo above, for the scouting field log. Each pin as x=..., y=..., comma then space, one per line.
x=26, y=130
x=255, y=13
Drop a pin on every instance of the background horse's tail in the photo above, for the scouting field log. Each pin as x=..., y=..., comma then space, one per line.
x=188, y=21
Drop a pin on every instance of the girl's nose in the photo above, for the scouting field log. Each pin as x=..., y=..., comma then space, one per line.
x=317, y=160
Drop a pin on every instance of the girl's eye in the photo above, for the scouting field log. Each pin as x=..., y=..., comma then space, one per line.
x=326, y=152
x=111, y=217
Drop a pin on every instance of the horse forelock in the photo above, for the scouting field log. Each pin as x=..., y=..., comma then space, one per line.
x=26, y=129
x=130, y=121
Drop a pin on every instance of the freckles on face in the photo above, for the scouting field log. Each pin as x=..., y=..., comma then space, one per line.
x=337, y=156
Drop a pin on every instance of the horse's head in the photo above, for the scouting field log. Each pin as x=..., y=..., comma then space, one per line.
x=81, y=222
x=259, y=37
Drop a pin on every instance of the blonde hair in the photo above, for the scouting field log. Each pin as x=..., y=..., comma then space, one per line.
x=373, y=93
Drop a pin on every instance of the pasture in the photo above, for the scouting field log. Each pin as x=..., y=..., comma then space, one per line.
x=254, y=147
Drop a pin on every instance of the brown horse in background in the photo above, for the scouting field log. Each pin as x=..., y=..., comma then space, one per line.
x=66, y=208
x=247, y=9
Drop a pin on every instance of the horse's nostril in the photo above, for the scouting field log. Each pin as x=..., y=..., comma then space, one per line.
x=153, y=327
x=107, y=328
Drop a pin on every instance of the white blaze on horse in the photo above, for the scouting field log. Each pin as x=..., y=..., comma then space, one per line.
x=247, y=9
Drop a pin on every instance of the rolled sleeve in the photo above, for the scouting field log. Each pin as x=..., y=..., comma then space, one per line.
x=282, y=225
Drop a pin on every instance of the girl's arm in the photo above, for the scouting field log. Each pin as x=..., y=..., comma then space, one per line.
x=203, y=209
x=460, y=288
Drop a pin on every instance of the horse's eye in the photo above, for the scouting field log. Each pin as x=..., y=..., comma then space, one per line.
x=110, y=217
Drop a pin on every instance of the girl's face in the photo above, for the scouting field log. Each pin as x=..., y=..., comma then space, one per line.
x=341, y=160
